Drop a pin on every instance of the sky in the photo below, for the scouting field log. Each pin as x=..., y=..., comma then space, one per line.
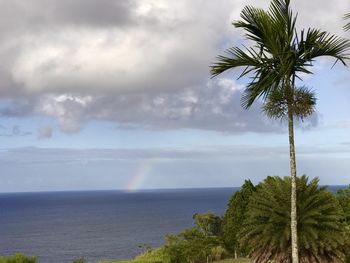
x=116, y=94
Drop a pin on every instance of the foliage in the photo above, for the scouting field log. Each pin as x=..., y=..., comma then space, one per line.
x=280, y=54
x=145, y=248
x=191, y=246
x=234, y=217
x=241, y=260
x=18, y=258
x=151, y=256
x=198, y=244
x=218, y=252
x=321, y=234
x=303, y=103
x=78, y=260
x=343, y=197
x=208, y=223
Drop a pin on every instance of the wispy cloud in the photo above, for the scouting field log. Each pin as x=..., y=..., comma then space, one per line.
x=32, y=169
x=14, y=131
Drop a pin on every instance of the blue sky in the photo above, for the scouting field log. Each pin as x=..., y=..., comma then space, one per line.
x=122, y=99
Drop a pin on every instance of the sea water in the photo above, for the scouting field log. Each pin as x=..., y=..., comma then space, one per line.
x=95, y=225
x=61, y=226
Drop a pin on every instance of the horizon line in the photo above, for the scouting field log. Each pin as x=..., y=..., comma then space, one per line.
x=142, y=189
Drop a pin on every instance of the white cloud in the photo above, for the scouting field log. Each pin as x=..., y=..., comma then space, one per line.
x=214, y=106
x=133, y=62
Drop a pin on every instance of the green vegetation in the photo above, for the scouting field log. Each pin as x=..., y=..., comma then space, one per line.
x=343, y=197
x=198, y=244
x=150, y=256
x=234, y=218
x=242, y=260
x=78, y=260
x=279, y=56
x=18, y=258
x=322, y=235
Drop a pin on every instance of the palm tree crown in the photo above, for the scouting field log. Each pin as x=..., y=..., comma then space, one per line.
x=279, y=53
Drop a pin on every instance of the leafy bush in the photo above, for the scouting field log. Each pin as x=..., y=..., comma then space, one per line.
x=218, y=252
x=18, y=258
x=192, y=246
x=322, y=236
x=78, y=260
x=343, y=197
x=150, y=256
x=234, y=218
x=153, y=256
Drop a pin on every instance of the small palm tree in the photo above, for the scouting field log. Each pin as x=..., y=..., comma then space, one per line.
x=303, y=103
x=322, y=236
x=276, y=60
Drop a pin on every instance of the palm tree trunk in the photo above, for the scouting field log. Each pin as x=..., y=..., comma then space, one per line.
x=293, y=172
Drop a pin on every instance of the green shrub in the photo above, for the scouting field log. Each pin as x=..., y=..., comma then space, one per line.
x=149, y=256
x=78, y=260
x=234, y=218
x=218, y=252
x=152, y=256
x=343, y=197
x=18, y=258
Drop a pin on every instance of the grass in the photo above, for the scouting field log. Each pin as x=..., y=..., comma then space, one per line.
x=221, y=261
x=159, y=256
x=242, y=260
x=18, y=258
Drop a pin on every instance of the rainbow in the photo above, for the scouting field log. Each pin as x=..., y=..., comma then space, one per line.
x=137, y=180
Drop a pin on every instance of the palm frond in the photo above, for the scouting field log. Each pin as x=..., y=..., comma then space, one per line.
x=347, y=26
x=236, y=57
x=279, y=54
x=254, y=22
x=316, y=43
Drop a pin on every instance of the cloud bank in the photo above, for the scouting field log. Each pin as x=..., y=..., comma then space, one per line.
x=130, y=62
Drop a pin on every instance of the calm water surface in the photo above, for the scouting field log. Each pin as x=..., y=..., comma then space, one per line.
x=61, y=226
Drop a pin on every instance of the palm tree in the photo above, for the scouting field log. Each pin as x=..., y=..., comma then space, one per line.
x=276, y=60
x=322, y=235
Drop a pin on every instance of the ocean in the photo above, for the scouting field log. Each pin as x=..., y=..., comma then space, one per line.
x=61, y=226
x=58, y=227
